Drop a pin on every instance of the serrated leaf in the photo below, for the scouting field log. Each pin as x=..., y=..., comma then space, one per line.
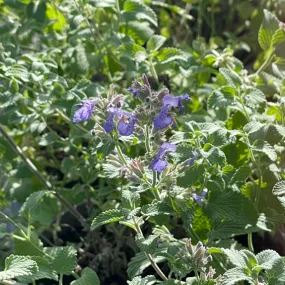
x=45, y=271
x=130, y=199
x=230, y=206
x=279, y=191
x=88, y=277
x=268, y=27
x=170, y=54
x=234, y=275
x=64, y=258
x=103, y=3
x=241, y=174
x=190, y=175
x=148, y=280
x=139, y=31
x=254, y=98
x=276, y=275
x=155, y=42
x=139, y=263
x=18, y=266
x=18, y=71
x=141, y=11
x=147, y=245
x=32, y=206
x=231, y=77
x=155, y=209
x=107, y=217
x=133, y=50
x=215, y=156
x=265, y=148
x=222, y=97
x=266, y=260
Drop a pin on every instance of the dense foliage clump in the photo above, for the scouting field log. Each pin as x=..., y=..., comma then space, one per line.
x=142, y=142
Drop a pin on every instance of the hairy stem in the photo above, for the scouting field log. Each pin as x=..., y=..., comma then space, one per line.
x=60, y=279
x=154, y=265
x=42, y=179
x=152, y=70
x=249, y=242
x=120, y=153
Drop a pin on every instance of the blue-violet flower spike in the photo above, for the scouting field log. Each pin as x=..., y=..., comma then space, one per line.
x=84, y=113
x=163, y=119
x=126, y=125
x=172, y=101
x=109, y=125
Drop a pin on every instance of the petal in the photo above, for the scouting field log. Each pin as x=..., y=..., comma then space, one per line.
x=82, y=114
x=162, y=120
x=109, y=125
x=169, y=146
x=169, y=100
x=125, y=127
x=158, y=165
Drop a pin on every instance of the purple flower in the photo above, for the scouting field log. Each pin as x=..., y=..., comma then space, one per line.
x=158, y=164
x=109, y=125
x=198, y=198
x=84, y=113
x=126, y=124
x=172, y=101
x=135, y=91
x=163, y=119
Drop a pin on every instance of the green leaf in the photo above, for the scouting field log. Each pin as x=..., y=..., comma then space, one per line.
x=234, y=275
x=231, y=77
x=215, y=156
x=268, y=27
x=88, y=277
x=279, y=191
x=139, y=31
x=32, y=206
x=18, y=71
x=254, y=98
x=134, y=52
x=64, y=258
x=190, y=175
x=45, y=271
x=222, y=97
x=107, y=217
x=103, y=3
x=155, y=42
x=230, y=206
x=139, y=263
x=56, y=18
x=170, y=54
x=148, y=280
x=265, y=148
x=241, y=174
x=155, y=209
x=140, y=11
x=147, y=245
x=266, y=260
x=18, y=266
x=130, y=199
x=276, y=275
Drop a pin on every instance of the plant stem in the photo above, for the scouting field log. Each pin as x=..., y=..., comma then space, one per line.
x=60, y=279
x=153, y=71
x=42, y=179
x=154, y=265
x=120, y=153
x=243, y=106
x=264, y=65
x=153, y=186
x=34, y=282
x=147, y=142
x=200, y=20
x=197, y=276
x=249, y=241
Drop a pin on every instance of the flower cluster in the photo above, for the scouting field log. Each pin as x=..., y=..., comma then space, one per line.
x=158, y=164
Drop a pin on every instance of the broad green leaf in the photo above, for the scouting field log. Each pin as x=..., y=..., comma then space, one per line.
x=140, y=11
x=147, y=245
x=56, y=17
x=107, y=217
x=190, y=175
x=170, y=54
x=134, y=52
x=276, y=275
x=88, y=277
x=140, y=32
x=155, y=209
x=222, y=97
x=241, y=174
x=215, y=156
x=18, y=266
x=130, y=199
x=266, y=259
x=279, y=191
x=230, y=206
x=234, y=275
x=148, y=280
x=139, y=263
x=155, y=42
x=254, y=98
x=268, y=27
x=103, y=3
x=278, y=42
x=18, y=71
x=64, y=258
x=45, y=271
x=231, y=77
x=265, y=148
x=32, y=206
